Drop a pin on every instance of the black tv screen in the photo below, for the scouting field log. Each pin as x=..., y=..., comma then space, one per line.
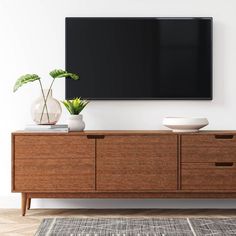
x=139, y=58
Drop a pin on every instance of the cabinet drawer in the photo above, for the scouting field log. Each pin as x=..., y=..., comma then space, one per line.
x=208, y=148
x=54, y=175
x=208, y=176
x=46, y=147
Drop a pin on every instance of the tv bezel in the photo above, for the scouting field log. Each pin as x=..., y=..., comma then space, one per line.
x=147, y=98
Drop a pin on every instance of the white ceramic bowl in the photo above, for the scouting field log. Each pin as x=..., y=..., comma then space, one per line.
x=185, y=124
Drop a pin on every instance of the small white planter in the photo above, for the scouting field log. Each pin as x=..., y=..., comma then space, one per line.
x=76, y=123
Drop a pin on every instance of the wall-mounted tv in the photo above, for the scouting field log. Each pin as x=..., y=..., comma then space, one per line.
x=139, y=58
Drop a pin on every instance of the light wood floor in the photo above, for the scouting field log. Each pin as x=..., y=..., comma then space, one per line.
x=13, y=224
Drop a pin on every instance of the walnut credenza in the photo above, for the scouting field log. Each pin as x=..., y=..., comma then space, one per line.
x=124, y=164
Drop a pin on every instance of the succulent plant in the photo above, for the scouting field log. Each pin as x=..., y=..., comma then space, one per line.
x=75, y=106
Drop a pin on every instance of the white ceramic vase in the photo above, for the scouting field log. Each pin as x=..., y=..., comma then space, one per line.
x=76, y=123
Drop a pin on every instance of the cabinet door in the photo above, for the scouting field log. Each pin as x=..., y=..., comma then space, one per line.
x=60, y=163
x=137, y=163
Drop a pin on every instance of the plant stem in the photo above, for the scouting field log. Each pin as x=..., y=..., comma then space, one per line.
x=45, y=103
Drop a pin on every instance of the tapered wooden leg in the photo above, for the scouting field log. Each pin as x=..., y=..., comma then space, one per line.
x=28, y=203
x=23, y=203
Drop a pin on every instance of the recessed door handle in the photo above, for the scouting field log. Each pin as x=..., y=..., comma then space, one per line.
x=224, y=136
x=95, y=136
x=224, y=164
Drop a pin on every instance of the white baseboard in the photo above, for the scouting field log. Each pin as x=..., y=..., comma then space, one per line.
x=13, y=201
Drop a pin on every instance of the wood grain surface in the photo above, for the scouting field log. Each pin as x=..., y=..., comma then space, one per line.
x=54, y=174
x=121, y=132
x=208, y=148
x=160, y=194
x=54, y=147
x=124, y=164
x=208, y=176
x=137, y=163
x=43, y=163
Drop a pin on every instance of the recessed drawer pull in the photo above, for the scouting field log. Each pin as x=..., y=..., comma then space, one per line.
x=224, y=136
x=95, y=136
x=224, y=164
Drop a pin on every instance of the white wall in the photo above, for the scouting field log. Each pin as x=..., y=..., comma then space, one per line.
x=32, y=41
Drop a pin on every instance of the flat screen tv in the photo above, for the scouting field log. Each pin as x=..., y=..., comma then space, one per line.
x=139, y=58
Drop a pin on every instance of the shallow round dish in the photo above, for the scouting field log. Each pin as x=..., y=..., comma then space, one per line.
x=185, y=124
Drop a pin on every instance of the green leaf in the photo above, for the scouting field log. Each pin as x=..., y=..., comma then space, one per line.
x=71, y=107
x=25, y=79
x=58, y=73
x=68, y=106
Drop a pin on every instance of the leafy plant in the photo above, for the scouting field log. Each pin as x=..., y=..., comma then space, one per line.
x=57, y=73
x=75, y=106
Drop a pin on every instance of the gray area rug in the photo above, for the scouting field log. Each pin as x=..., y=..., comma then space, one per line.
x=137, y=227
